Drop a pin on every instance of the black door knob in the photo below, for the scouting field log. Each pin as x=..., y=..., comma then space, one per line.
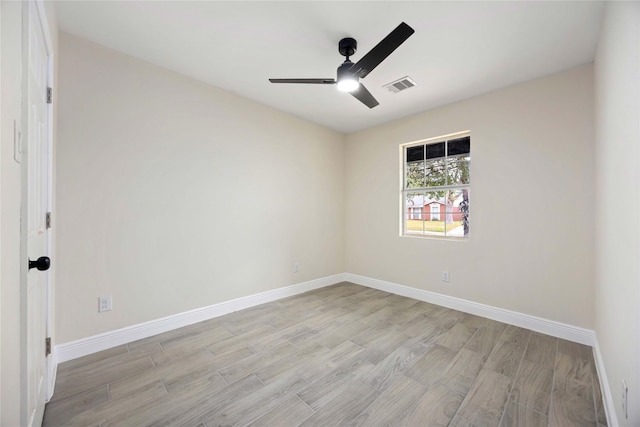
x=43, y=263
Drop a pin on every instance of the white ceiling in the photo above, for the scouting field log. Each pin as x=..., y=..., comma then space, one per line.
x=459, y=49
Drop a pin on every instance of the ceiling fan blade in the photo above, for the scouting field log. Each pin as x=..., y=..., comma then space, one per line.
x=364, y=96
x=375, y=56
x=308, y=81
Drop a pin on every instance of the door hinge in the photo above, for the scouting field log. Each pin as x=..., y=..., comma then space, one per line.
x=49, y=95
x=47, y=344
x=48, y=220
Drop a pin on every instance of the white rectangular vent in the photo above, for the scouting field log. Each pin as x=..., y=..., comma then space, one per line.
x=400, y=85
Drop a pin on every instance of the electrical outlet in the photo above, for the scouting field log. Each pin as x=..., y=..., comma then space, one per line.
x=105, y=304
x=444, y=276
x=296, y=267
x=625, y=407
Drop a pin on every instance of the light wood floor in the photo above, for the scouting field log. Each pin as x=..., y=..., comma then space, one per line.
x=341, y=355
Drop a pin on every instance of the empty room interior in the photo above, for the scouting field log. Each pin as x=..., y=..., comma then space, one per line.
x=202, y=224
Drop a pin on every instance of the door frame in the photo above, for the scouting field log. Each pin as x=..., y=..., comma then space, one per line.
x=50, y=368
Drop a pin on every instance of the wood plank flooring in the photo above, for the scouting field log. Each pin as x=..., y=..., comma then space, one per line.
x=340, y=355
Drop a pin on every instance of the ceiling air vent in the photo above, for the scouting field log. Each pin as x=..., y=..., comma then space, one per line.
x=400, y=85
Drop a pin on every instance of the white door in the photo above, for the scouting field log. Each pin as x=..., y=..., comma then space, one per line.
x=35, y=197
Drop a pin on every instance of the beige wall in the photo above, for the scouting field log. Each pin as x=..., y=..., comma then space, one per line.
x=173, y=195
x=617, y=291
x=531, y=245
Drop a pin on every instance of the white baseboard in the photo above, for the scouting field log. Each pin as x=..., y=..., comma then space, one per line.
x=607, y=398
x=93, y=344
x=549, y=327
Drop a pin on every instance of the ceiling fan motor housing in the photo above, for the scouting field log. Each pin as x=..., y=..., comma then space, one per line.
x=347, y=47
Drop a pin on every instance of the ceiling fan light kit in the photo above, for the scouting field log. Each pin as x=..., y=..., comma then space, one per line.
x=349, y=74
x=346, y=81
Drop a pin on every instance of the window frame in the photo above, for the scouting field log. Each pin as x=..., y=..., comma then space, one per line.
x=404, y=191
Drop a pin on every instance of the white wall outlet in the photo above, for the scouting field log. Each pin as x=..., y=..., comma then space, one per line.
x=105, y=304
x=296, y=267
x=625, y=407
x=444, y=276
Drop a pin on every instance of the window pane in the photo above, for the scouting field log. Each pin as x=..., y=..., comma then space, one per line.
x=457, y=212
x=434, y=213
x=453, y=216
x=435, y=151
x=458, y=170
x=436, y=173
x=459, y=146
x=415, y=154
x=414, y=177
x=414, y=213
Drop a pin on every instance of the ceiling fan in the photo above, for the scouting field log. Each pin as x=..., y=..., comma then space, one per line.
x=349, y=74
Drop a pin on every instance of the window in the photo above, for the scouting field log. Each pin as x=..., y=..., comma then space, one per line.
x=416, y=213
x=436, y=181
x=435, y=212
